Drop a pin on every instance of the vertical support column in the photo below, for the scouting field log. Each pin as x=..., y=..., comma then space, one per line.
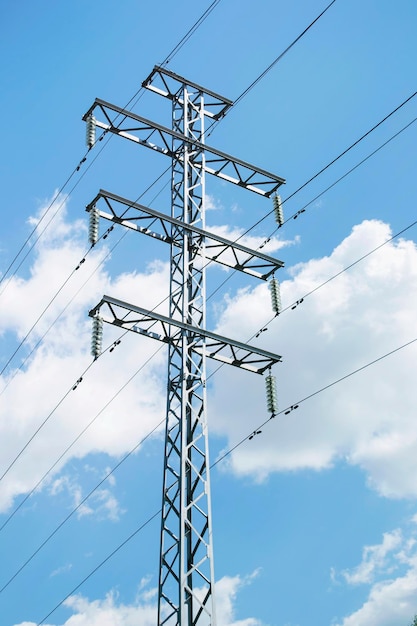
x=186, y=577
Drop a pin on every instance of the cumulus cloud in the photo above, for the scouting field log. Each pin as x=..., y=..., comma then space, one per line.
x=102, y=503
x=48, y=309
x=40, y=392
x=211, y=203
x=267, y=246
x=390, y=569
x=367, y=420
x=111, y=612
x=374, y=558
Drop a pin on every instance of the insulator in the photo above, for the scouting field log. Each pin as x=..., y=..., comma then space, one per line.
x=278, y=211
x=90, y=131
x=275, y=295
x=97, y=337
x=93, y=229
x=271, y=394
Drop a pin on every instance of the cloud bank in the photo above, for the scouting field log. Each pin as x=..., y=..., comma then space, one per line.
x=111, y=612
x=390, y=571
x=367, y=420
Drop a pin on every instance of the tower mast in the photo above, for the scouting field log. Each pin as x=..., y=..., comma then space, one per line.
x=186, y=579
x=186, y=559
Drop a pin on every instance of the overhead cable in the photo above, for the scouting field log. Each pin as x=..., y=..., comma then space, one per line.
x=258, y=430
x=167, y=59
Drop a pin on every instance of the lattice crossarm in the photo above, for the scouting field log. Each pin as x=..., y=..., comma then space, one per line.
x=227, y=167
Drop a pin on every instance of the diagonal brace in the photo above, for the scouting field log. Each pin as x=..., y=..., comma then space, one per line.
x=217, y=163
x=168, y=330
x=149, y=222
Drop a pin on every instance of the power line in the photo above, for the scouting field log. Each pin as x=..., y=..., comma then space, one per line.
x=190, y=32
x=109, y=556
x=78, y=437
x=288, y=410
x=290, y=306
x=281, y=56
x=332, y=278
x=44, y=422
x=323, y=170
x=79, y=505
x=296, y=404
x=333, y=161
x=104, y=236
x=303, y=208
x=153, y=430
x=167, y=59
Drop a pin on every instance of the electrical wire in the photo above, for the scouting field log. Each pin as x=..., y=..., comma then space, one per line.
x=281, y=56
x=305, y=296
x=168, y=58
x=190, y=32
x=104, y=236
x=80, y=504
x=166, y=61
x=26, y=242
x=108, y=557
x=288, y=410
x=255, y=432
x=296, y=404
x=45, y=421
x=343, y=153
x=40, y=340
x=355, y=143
x=347, y=149
x=303, y=208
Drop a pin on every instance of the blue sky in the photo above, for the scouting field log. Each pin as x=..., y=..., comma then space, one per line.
x=315, y=519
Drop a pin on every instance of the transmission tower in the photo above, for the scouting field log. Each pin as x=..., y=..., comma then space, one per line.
x=186, y=579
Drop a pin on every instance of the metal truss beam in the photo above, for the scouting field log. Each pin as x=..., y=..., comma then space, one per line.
x=186, y=595
x=167, y=330
x=220, y=164
x=149, y=222
x=167, y=84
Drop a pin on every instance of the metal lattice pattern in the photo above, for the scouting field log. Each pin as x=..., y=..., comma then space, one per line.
x=157, y=225
x=186, y=570
x=167, y=141
x=186, y=579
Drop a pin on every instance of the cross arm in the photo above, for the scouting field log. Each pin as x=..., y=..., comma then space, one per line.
x=218, y=163
x=149, y=222
x=167, y=330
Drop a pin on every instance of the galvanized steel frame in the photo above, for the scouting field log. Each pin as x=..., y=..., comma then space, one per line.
x=218, y=163
x=156, y=326
x=186, y=578
x=154, y=224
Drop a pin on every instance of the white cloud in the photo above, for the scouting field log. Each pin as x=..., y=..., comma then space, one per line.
x=61, y=570
x=102, y=503
x=367, y=420
x=36, y=392
x=374, y=559
x=211, y=203
x=391, y=599
x=265, y=245
x=227, y=590
x=110, y=612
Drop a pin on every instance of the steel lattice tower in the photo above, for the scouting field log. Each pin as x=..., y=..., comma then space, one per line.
x=186, y=551
x=186, y=579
